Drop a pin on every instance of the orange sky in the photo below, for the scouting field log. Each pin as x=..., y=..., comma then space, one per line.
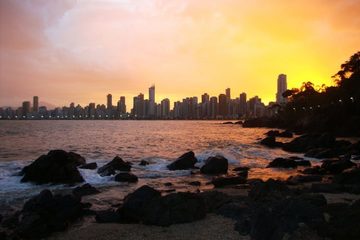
x=81, y=50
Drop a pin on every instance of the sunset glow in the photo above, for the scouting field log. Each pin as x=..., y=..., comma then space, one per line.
x=79, y=51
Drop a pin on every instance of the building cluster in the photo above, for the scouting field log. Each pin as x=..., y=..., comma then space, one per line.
x=208, y=107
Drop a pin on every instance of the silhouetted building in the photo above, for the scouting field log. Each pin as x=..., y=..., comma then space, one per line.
x=242, y=104
x=35, y=104
x=223, y=106
x=165, y=108
x=281, y=88
x=121, y=107
x=109, y=102
x=228, y=95
x=213, y=109
x=25, y=108
x=152, y=104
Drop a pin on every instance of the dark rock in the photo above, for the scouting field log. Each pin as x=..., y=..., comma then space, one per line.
x=91, y=166
x=195, y=183
x=271, y=142
x=241, y=169
x=143, y=163
x=214, y=200
x=225, y=181
x=313, y=170
x=303, y=163
x=286, y=134
x=168, y=184
x=303, y=179
x=272, y=133
x=227, y=123
x=116, y=164
x=238, y=122
x=3, y=235
x=326, y=188
x=240, y=212
x=57, y=166
x=185, y=161
x=269, y=190
x=126, y=177
x=215, y=165
x=350, y=176
x=134, y=203
x=45, y=213
x=310, y=141
x=336, y=166
x=11, y=221
x=107, y=216
x=174, y=208
x=321, y=153
x=282, y=163
x=84, y=190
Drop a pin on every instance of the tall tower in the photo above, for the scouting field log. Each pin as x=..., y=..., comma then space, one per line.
x=281, y=88
x=109, y=102
x=152, y=101
x=228, y=96
x=35, y=104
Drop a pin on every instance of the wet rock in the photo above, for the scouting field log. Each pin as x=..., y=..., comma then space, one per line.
x=144, y=163
x=116, y=164
x=134, y=203
x=227, y=123
x=350, y=176
x=57, y=167
x=241, y=169
x=321, y=153
x=225, y=181
x=126, y=177
x=336, y=166
x=282, y=163
x=107, y=216
x=269, y=190
x=174, y=208
x=303, y=163
x=240, y=212
x=195, y=183
x=85, y=190
x=271, y=142
x=45, y=213
x=185, y=161
x=313, y=170
x=310, y=141
x=214, y=200
x=91, y=166
x=168, y=184
x=276, y=133
x=304, y=179
x=215, y=165
x=326, y=188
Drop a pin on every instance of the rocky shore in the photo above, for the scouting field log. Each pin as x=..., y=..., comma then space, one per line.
x=318, y=202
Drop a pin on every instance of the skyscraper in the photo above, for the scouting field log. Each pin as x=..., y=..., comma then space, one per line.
x=109, y=101
x=152, y=101
x=242, y=104
x=281, y=88
x=122, y=105
x=25, y=108
x=223, y=105
x=165, y=108
x=228, y=95
x=35, y=104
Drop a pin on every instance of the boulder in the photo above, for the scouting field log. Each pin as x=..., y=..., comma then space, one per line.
x=57, y=167
x=107, y=216
x=334, y=166
x=286, y=134
x=313, y=170
x=303, y=163
x=269, y=190
x=85, y=190
x=143, y=163
x=309, y=141
x=126, y=177
x=326, y=188
x=117, y=164
x=271, y=142
x=174, y=208
x=214, y=200
x=91, y=166
x=349, y=176
x=215, y=165
x=195, y=183
x=272, y=133
x=46, y=213
x=133, y=208
x=185, y=161
x=304, y=179
x=225, y=181
x=282, y=163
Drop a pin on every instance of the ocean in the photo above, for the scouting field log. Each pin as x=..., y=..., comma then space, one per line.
x=159, y=142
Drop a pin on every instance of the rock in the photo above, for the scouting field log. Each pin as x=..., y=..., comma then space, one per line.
x=282, y=163
x=310, y=141
x=349, y=176
x=326, y=188
x=91, y=166
x=133, y=208
x=271, y=142
x=227, y=123
x=185, y=161
x=303, y=163
x=107, y=216
x=126, y=177
x=45, y=213
x=85, y=190
x=214, y=200
x=241, y=169
x=304, y=179
x=3, y=235
x=336, y=166
x=321, y=153
x=116, y=164
x=195, y=183
x=286, y=134
x=225, y=181
x=143, y=163
x=313, y=170
x=168, y=184
x=57, y=167
x=238, y=122
x=215, y=165
x=269, y=190
x=272, y=133
x=174, y=208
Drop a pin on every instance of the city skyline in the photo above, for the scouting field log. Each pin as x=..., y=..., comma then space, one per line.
x=86, y=49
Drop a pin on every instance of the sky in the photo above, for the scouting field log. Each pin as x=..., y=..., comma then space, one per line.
x=79, y=51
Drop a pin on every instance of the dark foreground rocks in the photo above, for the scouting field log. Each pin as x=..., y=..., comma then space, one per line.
x=46, y=213
x=84, y=190
x=117, y=164
x=90, y=166
x=57, y=166
x=185, y=161
x=215, y=165
x=126, y=177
